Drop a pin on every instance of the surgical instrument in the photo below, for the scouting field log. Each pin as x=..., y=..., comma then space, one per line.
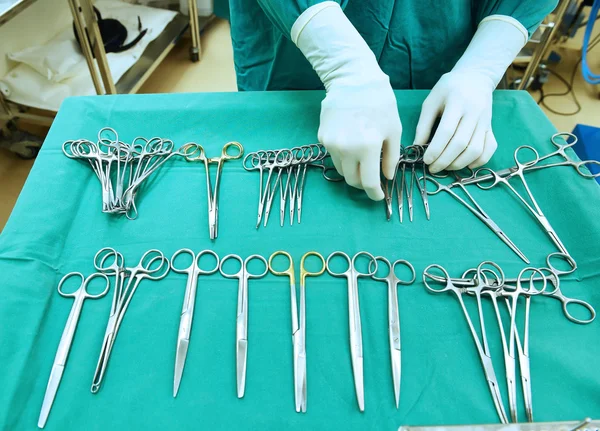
x=153, y=265
x=411, y=156
x=298, y=321
x=241, y=329
x=355, y=329
x=551, y=275
x=66, y=340
x=121, y=168
x=476, y=209
x=393, y=281
x=560, y=151
x=285, y=169
x=189, y=301
x=523, y=346
x=480, y=343
x=195, y=152
x=530, y=203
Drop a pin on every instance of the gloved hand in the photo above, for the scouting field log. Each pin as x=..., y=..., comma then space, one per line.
x=359, y=115
x=463, y=98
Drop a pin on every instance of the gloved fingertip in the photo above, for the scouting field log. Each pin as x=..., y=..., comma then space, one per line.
x=428, y=158
x=435, y=169
x=390, y=171
x=376, y=195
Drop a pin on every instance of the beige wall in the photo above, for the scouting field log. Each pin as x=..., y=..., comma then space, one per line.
x=33, y=26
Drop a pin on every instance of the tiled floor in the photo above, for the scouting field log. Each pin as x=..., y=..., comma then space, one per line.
x=215, y=72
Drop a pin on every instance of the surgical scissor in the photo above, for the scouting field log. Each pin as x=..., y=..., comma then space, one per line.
x=66, y=340
x=194, y=152
x=187, y=310
x=298, y=321
x=153, y=265
x=356, y=345
x=476, y=209
x=393, y=281
x=481, y=344
x=241, y=328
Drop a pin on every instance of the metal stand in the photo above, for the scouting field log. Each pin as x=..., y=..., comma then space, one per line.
x=549, y=31
x=92, y=47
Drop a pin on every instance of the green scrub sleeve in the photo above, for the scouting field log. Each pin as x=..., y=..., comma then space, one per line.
x=284, y=13
x=530, y=13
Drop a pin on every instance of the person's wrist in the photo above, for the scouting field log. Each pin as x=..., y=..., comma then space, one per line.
x=494, y=46
x=334, y=48
x=355, y=73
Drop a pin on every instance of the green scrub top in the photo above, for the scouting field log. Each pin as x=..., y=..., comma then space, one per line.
x=415, y=41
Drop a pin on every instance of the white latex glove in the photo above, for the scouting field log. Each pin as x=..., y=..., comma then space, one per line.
x=359, y=115
x=463, y=98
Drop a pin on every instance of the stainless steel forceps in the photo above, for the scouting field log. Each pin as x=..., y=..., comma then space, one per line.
x=481, y=344
x=153, y=265
x=530, y=203
x=356, y=345
x=298, y=324
x=393, y=281
x=241, y=329
x=194, y=152
x=187, y=310
x=66, y=340
x=475, y=208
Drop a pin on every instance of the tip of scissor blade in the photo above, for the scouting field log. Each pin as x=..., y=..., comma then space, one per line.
x=241, y=350
x=180, y=355
x=53, y=382
x=358, y=382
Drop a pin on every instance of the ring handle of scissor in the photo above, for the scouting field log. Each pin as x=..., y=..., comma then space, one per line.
x=566, y=301
x=226, y=155
x=444, y=279
x=290, y=269
x=192, y=152
x=336, y=177
x=487, y=184
x=392, y=270
x=579, y=303
x=489, y=267
x=305, y=272
x=412, y=154
x=147, y=261
x=531, y=290
x=227, y=274
x=103, y=254
x=83, y=285
x=565, y=136
x=438, y=186
x=530, y=162
x=195, y=262
x=563, y=257
x=243, y=266
x=252, y=157
x=351, y=262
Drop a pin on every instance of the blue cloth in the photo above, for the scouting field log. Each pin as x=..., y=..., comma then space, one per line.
x=415, y=41
x=588, y=145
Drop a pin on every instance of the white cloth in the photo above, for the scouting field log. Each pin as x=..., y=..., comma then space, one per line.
x=48, y=74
